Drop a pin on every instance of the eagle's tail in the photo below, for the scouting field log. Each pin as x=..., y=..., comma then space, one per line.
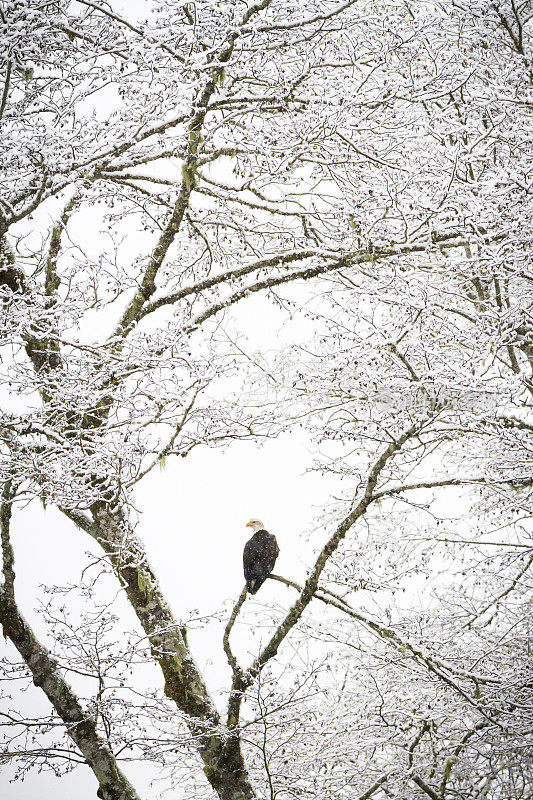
x=252, y=585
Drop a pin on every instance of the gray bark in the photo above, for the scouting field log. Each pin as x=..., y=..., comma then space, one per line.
x=82, y=730
x=218, y=746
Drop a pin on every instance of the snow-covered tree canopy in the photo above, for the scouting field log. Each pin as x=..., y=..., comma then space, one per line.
x=365, y=169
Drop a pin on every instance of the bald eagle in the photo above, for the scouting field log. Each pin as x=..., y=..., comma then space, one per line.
x=259, y=557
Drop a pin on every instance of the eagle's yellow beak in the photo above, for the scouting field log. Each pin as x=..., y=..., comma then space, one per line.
x=248, y=524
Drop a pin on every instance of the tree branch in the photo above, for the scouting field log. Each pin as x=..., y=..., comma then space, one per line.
x=370, y=255
x=216, y=280
x=309, y=21
x=51, y=283
x=389, y=635
x=80, y=727
x=43, y=351
x=426, y=788
x=375, y=786
x=121, y=21
x=221, y=755
x=190, y=166
x=311, y=584
x=501, y=596
x=8, y=559
x=232, y=661
x=516, y=483
x=5, y=91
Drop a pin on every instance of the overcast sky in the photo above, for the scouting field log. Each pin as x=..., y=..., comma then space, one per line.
x=193, y=516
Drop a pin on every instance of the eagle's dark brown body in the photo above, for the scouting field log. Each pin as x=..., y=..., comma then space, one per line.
x=259, y=557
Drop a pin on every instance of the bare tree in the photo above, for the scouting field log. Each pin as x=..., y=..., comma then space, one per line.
x=362, y=163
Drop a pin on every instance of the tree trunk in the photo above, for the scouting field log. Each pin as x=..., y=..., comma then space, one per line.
x=219, y=749
x=81, y=728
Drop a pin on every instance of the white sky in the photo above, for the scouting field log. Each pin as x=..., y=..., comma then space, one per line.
x=192, y=518
x=192, y=522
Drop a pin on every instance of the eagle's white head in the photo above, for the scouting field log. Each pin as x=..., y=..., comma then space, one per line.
x=255, y=525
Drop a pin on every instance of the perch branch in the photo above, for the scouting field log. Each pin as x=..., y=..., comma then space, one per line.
x=232, y=661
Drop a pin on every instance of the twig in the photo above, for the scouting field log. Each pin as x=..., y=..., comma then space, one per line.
x=500, y=596
x=432, y=663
